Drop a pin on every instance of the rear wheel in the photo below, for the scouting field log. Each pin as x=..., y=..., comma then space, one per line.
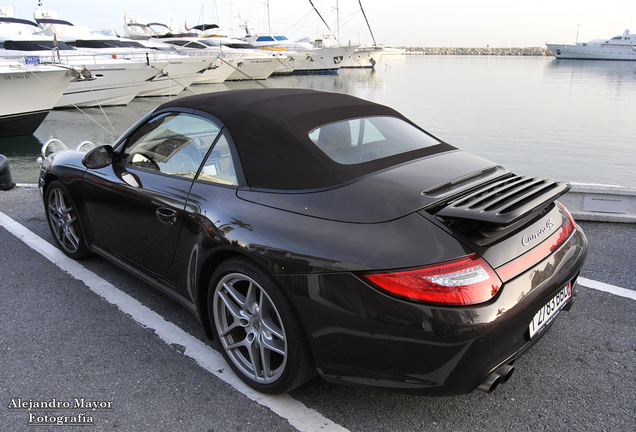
x=259, y=330
x=63, y=219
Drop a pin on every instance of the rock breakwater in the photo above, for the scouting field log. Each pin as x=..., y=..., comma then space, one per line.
x=532, y=51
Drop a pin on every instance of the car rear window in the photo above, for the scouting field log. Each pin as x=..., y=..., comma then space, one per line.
x=365, y=139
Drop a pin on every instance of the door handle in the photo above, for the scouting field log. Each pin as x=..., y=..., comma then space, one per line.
x=166, y=215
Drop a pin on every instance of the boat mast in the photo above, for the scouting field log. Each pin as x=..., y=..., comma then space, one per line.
x=368, y=25
x=323, y=20
x=338, y=22
x=215, y=13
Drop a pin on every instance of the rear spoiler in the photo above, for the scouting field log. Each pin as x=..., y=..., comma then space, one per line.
x=494, y=196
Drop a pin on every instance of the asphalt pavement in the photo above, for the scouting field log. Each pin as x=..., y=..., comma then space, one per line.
x=61, y=343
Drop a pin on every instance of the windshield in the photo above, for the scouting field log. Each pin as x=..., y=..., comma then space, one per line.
x=35, y=45
x=209, y=43
x=365, y=139
x=94, y=43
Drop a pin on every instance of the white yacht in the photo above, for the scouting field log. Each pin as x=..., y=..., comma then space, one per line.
x=116, y=81
x=158, y=34
x=175, y=72
x=617, y=48
x=307, y=57
x=216, y=73
x=28, y=93
x=246, y=63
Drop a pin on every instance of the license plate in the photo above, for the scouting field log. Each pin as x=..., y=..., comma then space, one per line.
x=547, y=313
x=32, y=61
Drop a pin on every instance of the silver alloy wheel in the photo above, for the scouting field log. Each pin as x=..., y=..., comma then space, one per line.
x=63, y=220
x=250, y=328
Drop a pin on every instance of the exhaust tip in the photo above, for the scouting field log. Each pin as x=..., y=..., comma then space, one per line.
x=500, y=376
x=505, y=372
x=489, y=384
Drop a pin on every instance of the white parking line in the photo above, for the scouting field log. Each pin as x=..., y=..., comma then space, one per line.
x=630, y=294
x=296, y=413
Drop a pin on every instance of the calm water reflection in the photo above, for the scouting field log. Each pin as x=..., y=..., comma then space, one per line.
x=567, y=120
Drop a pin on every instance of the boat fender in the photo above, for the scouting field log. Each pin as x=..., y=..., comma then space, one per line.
x=6, y=182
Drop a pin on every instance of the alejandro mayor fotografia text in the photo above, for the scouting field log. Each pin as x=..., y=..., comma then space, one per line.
x=40, y=411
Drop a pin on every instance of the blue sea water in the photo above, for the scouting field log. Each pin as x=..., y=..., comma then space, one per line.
x=567, y=120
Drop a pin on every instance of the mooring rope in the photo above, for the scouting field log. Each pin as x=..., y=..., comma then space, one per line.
x=114, y=133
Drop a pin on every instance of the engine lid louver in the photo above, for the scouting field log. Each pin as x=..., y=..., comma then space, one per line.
x=503, y=201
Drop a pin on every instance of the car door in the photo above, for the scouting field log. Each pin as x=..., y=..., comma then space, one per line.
x=136, y=205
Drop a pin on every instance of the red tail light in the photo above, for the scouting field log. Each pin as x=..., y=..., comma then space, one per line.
x=465, y=281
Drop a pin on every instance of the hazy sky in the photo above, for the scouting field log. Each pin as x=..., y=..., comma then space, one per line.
x=455, y=23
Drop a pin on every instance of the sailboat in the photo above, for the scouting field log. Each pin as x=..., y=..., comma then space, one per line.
x=367, y=56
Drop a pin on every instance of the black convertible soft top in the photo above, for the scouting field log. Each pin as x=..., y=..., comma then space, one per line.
x=270, y=128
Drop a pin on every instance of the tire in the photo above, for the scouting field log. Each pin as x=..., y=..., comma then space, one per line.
x=63, y=219
x=258, y=329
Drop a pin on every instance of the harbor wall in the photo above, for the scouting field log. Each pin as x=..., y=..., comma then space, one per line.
x=601, y=203
x=532, y=51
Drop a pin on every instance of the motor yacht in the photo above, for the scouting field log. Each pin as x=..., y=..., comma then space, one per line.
x=175, y=72
x=619, y=47
x=245, y=61
x=116, y=80
x=307, y=56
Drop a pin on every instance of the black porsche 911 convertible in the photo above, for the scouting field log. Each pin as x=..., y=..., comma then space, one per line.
x=318, y=233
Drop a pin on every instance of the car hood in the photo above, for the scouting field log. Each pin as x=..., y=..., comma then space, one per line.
x=386, y=195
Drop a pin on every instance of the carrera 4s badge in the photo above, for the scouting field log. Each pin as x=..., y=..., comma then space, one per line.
x=529, y=238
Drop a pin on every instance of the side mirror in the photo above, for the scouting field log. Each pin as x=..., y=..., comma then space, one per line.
x=99, y=157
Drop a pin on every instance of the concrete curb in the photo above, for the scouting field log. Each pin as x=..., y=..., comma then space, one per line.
x=601, y=203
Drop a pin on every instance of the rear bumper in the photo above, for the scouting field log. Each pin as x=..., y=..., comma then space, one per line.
x=360, y=336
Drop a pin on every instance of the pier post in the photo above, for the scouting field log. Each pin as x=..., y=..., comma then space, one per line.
x=6, y=182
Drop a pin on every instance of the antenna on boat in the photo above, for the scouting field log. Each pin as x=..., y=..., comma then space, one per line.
x=577, y=32
x=269, y=22
x=338, y=22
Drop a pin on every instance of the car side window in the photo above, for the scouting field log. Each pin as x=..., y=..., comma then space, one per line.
x=219, y=165
x=171, y=143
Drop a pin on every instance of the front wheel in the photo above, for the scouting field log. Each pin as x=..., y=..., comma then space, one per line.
x=64, y=223
x=259, y=330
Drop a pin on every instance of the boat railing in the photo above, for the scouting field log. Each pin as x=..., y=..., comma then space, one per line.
x=86, y=58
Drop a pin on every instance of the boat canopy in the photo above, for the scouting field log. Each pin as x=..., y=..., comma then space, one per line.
x=52, y=21
x=204, y=27
x=17, y=21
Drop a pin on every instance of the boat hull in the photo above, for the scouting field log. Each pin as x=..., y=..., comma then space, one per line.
x=27, y=94
x=218, y=72
x=363, y=58
x=257, y=68
x=176, y=76
x=592, y=52
x=21, y=123
x=320, y=60
x=114, y=85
